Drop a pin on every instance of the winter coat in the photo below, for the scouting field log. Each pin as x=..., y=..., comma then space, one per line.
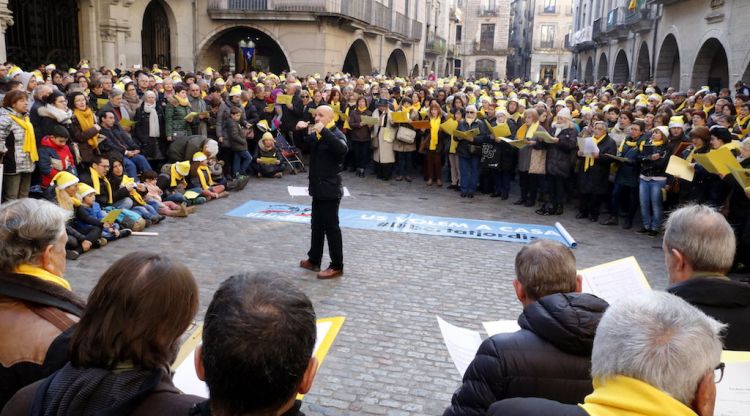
x=358, y=132
x=533, y=406
x=463, y=148
x=15, y=160
x=36, y=315
x=81, y=139
x=198, y=126
x=559, y=162
x=595, y=180
x=398, y=145
x=627, y=172
x=53, y=159
x=174, y=118
x=550, y=357
x=222, y=116
x=382, y=149
x=653, y=168
x=326, y=163
x=49, y=117
x=291, y=116
x=725, y=300
x=233, y=134
x=149, y=145
x=103, y=197
x=117, y=142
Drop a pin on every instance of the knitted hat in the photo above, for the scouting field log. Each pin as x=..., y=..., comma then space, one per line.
x=676, y=121
x=267, y=136
x=199, y=157
x=663, y=129
x=236, y=90
x=84, y=189
x=263, y=125
x=59, y=131
x=564, y=113
x=64, y=179
x=183, y=168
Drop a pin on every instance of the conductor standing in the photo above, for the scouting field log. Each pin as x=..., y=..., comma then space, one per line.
x=327, y=153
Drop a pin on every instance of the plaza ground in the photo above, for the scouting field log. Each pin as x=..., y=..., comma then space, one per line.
x=389, y=358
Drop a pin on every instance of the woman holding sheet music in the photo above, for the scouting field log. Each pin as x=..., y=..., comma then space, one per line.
x=558, y=167
x=653, y=158
x=470, y=150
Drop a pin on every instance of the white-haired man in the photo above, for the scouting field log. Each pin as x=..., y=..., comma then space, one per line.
x=699, y=247
x=653, y=355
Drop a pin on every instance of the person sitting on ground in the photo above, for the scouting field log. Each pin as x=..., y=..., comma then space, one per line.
x=154, y=198
x=654, y=355
x=66, y=197
x=90, y=214
x=699, y=247
x=200, y=179
x=122, y=348
x=550, y=356
x=249, y=317
x=172, y=181
x=118, y=179
x=106, y=195
x=37, y=306
x=266, y=161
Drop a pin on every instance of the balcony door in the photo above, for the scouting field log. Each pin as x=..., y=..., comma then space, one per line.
x=487, y=37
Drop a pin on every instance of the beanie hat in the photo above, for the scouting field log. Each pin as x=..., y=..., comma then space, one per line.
x=676, y=121
x=199, y=157
x=183, y=168
x=236, y=90
x=267, y=136
x=564, y=113
x=59, y=131
x=663, y=129
x=64, y=179
x=84, y=189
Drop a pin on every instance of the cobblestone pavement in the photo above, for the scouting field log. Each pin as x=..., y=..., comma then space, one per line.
x=389, y=358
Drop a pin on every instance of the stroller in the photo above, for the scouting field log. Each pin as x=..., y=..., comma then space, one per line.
x=290, y=154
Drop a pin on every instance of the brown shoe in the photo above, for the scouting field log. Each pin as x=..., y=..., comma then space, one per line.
x=307, y=264
x=330, y=273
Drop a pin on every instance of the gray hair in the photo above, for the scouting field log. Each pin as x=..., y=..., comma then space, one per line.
x=703, y=236
x=546, y=267
x=659, y=339
x=27, y=227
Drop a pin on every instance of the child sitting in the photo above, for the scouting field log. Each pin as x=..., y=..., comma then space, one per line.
x=89, y=214
x=200, y=178
x=266, y=160
x=153, y=198
x=66, y=187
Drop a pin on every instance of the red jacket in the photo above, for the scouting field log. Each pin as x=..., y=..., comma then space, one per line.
x=53, y=159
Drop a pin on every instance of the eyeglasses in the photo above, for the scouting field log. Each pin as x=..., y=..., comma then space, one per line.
x=471, y=112
x=719, y=373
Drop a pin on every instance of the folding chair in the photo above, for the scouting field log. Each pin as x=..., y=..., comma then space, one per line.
x=290, y=154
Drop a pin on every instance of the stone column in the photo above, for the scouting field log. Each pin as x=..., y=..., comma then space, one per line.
x=108, y=35
x=6, y=20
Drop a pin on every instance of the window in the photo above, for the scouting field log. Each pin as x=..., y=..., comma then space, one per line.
x=549, y=6
x=487, y=37
x=458, y=33
x=547, y=37
x=484, y=68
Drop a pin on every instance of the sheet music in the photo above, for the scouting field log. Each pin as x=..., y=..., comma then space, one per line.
x=615, y=280
x=462, y=344
x=503, y=326
x=733, y=393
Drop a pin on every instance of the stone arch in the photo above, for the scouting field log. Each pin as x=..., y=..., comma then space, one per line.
x=210, y=48
x=397, y=65
x=357, y=61
x=668, y=63
x=156, y=39
x=711, y=66
x=643, y=64
x=588, y=75
x=602, y=70
x=621, y=72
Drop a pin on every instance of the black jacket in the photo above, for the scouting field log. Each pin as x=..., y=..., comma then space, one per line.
x=532, y=406
x=558, y=154
x=549, y=357
x=595, y=180
x=464, y=146
x=103, y=197
x=117, y=142
x=326, y=163
x=724, y=300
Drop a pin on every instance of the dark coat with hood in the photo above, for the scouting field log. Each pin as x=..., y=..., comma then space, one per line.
x=725, y=300
x=533, y=406
x=326, y=163
x=558, y=154
x=549, y=357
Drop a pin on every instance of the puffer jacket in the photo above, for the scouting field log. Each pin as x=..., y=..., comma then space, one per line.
x=559, y=162
x=550, y=357
x=174, y=118
x=15, y=160
x=53, y=159
x=37, y=316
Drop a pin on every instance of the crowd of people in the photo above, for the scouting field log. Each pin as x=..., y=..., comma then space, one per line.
x=204, y=133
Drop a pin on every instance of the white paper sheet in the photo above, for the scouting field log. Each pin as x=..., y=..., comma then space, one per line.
x=462, y=344
x=302, y=191
x=615, y=280
x=733, y=393
x=503, y=326
x=590, y=147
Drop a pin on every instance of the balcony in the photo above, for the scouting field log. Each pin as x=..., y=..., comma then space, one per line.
x=582, y=40
x=640, y=20
x=615, y=27
x=455, y=14
x=361, y=14
x=596, y=30
x=478, y=48
x=487, y=11
x=435, y=45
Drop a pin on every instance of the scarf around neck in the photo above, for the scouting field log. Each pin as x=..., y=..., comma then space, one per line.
x=153, y=119
x=434, y=131
x=329, y=126
x=39, y=273
x=96, y=184
x=625, y=396
x=589, y=161
x=204, y=175
x=29, y=139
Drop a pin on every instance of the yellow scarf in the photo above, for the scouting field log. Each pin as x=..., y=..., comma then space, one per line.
x=417, y=106
x=434, y=130
x=629, y=143
x=134, y=192
x=361, y=109
x=97, y=187
x=203, y=173
x=707, y=109
x=29, y=140
x=329, y=126
x=744, y=122
x=515, y=116
x=39, y=273
x=336, y=111
x=86, y=120
x=625, y=396
x=690, y=155
x=526, y=131
x=174, y=176
x=346, y=119
x=680, y=107
x=182, y=101
x=589, y=161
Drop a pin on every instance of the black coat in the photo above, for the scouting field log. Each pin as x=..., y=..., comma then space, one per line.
x=726, y=301
x=549, y=357
x=149, y=145
x=291, y=116
x=558, y=154
x=532, y=406
x=464, y=146
x=326, y=163
x=595, y=180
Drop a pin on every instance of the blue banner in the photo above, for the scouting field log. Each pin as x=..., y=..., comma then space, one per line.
x=406, y=223
x=249, y=54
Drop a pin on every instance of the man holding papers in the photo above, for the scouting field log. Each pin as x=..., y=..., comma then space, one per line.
x=699, y=247
x=550, y=356
x=470, y=134
x=653, y=355
x=594, y=172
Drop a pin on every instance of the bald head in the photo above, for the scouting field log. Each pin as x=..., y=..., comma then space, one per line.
x=324, y=114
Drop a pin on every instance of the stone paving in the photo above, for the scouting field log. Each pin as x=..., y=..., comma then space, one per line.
x=389, y=358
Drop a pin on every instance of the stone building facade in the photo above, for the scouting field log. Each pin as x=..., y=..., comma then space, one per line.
x=679, y=43
x=358, y=36
x=540, y=30
x=440, y=51
x=482, y=38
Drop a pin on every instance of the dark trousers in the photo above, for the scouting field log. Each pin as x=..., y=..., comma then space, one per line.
x=361, y=151
x=502, y=181
x=590, y=204
x=325, y=224
x=625, y=201
x=75, y=244
x=556, y=189
x=433, y=165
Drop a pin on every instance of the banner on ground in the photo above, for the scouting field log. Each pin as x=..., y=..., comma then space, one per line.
x=409, y=223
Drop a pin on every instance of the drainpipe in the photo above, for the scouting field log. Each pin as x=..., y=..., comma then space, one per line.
x=653, y=43
x=195, y=38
